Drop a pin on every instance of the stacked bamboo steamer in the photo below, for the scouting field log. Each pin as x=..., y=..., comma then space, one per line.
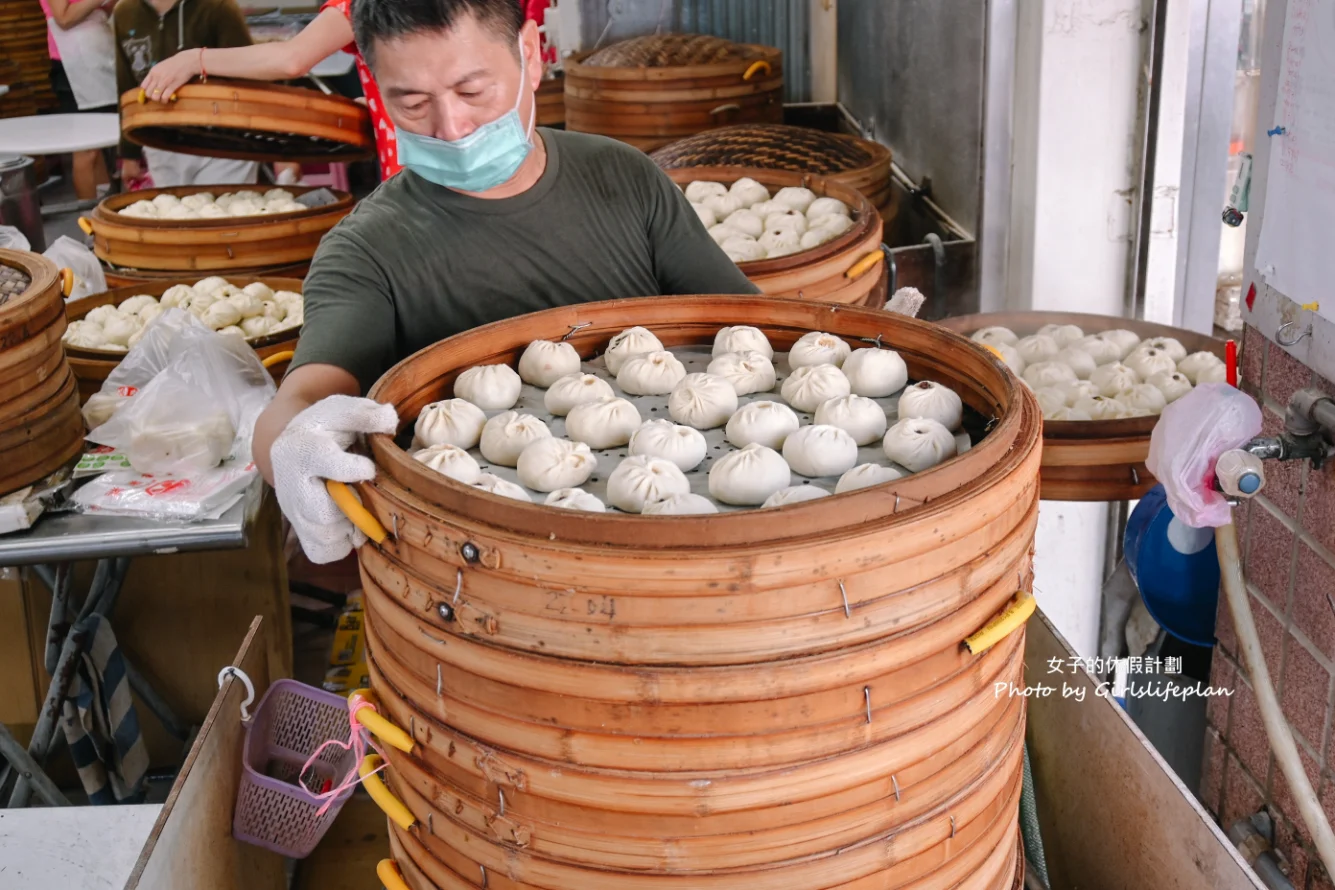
x=154, y=250
x=41, y=428
x=859, y=163
x=768, y=700
x=1092, y=460
x=849, y=269
x=91, y=366
x=652, y=90
x=23, y=42
x=550, y=100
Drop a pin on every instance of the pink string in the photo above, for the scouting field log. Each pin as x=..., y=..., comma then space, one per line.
x=358, y=739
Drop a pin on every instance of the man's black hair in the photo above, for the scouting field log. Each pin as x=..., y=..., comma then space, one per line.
x=374, y=20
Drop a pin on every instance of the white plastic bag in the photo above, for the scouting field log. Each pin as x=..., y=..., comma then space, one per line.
x=13, y=239
x=198, y=496
x=198, y=406
x=1186, y=444
x=88, y=276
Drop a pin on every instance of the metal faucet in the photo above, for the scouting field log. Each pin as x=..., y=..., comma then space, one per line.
x=1309, y=430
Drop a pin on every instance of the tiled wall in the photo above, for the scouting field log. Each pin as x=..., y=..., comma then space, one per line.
x=1288, y=542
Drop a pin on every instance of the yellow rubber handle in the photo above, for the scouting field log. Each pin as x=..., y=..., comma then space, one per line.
x=387, y=870
x=356, y=513
x=67, y=281
x=384, y=730
x=761, y=65
x=1003, y=625
x=86, y=224
x=864, y=265
x=277, y=358
x=143, y=96
x=992, y=349
x=380, y=793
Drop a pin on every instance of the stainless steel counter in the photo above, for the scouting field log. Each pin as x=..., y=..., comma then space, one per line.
x=58, y=537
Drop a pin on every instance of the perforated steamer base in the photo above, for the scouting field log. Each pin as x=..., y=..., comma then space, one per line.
x=697, y=359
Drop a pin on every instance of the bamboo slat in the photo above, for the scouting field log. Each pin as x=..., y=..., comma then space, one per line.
x=207, y=245
x=859, y=163
x=763, y=699
x=91, y=366
x=1101, y=460
x=251, y=121
x=650, y=91
x=124, y=277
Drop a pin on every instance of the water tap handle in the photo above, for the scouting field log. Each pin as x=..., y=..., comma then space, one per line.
x=1240, y=473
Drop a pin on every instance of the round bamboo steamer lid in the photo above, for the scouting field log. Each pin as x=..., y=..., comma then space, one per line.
x=652, y=90
x=209, y=245
x=860, y=163
x=91, y=366
x=1097, y=460
x=119, y=277
x=251, y=121
x=40, y=425
x=655, y=724
x=830, y=273
x=551, y=101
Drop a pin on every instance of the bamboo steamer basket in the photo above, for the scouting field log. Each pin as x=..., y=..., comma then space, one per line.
x=551, y=102
x=850, y=269
x=120, y=277
x=208, y=245
x=91, y=366
x=652, y=90
x=859, y=163
x=250, y=121
x=40, y=425
x=753, y=699
x=1097, y=460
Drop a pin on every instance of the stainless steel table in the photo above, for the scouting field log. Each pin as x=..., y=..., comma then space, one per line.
x=59, y=540
x=61, y=537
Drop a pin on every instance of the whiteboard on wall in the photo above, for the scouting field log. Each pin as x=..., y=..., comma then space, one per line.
x=1296, y=250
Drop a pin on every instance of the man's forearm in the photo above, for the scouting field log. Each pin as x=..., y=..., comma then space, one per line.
x=271, y=424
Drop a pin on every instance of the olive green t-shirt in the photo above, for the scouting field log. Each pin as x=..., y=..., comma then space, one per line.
x=415, y=263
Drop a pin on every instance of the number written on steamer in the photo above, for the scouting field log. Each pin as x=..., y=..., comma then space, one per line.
x=568, y=602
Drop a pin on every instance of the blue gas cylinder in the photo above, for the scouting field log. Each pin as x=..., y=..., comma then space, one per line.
x=1175, y=567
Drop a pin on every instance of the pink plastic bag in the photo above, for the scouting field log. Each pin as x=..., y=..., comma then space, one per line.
x=1186, y=444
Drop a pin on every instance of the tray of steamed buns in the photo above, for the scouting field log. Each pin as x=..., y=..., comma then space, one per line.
x=1101, y=382
x=655, y=429
x=793, y=234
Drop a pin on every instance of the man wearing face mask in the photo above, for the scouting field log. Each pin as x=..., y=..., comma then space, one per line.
x=490, y=219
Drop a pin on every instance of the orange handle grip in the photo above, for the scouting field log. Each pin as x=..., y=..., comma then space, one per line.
x=864, y=265
x=756, y=67
x=277, y=358
x=67, y=281
x=380, y=793
x=387, y=870
x=356, y=513
x=1011, y=618
x=86, y=225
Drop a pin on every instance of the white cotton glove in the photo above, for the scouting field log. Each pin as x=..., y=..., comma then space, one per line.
x=312, y=449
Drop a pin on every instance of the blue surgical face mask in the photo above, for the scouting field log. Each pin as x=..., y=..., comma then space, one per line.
x=482, y=160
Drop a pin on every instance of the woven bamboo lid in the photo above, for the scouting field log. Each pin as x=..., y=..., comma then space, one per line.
x=671, y=51
x=774, y=147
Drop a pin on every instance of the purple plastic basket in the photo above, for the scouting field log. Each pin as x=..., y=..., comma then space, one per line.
x=274, y=809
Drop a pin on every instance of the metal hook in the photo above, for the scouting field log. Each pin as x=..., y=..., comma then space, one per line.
x=576, y=328
x=458, y=584
x=844, y=593
x=866, y=695
x=895, y=782
x=484, y=876
x=1286, y=341
x=250, y=687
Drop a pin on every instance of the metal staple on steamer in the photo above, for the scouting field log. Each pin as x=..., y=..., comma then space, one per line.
x=458, y=583
x=484, y=876
x=501, y=793
x=952, y=826
x=866, y=694
x=895, y=783
x=574, y=329
x=844, y=593
x=439, y=681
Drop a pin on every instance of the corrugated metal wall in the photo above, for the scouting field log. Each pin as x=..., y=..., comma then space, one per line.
x=781, y=23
